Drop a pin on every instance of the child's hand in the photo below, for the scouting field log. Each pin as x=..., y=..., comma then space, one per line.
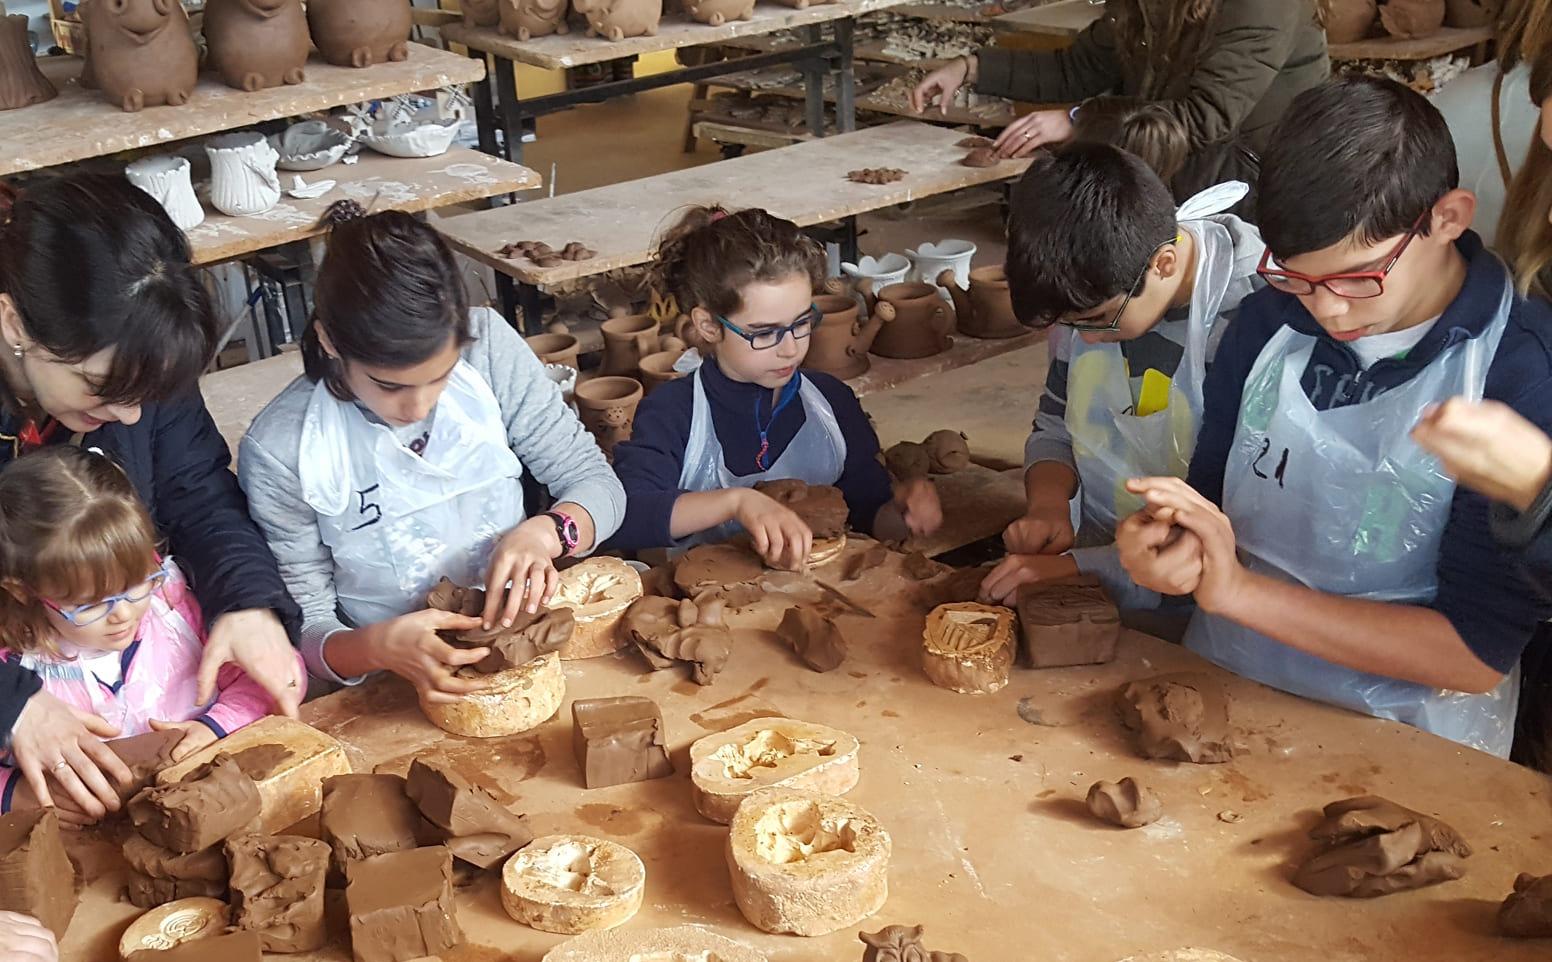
x=1044, y=529
x=23, y=799
x=195, y=736
x=1158, y=555
x=24, y=939
x=525, y=558
x=409, y=647
x=919, y=507
x=780, y=536
x=1000, y=587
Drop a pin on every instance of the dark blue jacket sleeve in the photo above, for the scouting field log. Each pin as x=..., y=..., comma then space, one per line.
x=1259, y=318
x=864, y=479
x=204, y=514
x=649, y=466
x=17, y=684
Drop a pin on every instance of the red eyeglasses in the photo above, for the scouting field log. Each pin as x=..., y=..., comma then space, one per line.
x=1357, y=286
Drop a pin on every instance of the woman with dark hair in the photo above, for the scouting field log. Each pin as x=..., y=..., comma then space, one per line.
x=106, y=329
x=397, y=460
x=1226, y=69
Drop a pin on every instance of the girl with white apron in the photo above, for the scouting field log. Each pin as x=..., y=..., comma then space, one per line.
x=1110, y=444
x=1345, y=502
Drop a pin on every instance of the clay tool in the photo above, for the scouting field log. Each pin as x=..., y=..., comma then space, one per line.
x=843, y=599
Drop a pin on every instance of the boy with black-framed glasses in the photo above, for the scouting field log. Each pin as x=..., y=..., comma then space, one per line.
x=1138, y=295
x=1329, y=555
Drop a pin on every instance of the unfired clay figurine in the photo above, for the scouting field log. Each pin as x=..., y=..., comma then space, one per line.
x=626, y=341
x=718, y=12
x=908, y=461
x=21, y=82
x=839, y=345
x=618, y=19
x=1350, y=20
x=480, y=13
x=607, y=406
x=142, y=53
x=947, y=451
x=1124, y=803
x=917, y=322
x=359, y=33
x=525, y=19
x=1375, y=847
x=257, y=43
x=986, y=309
x=1412, y=18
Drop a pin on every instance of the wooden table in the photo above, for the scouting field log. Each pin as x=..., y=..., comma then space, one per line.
x=887, y=372
x=376, y=182
x=994, y=112
x=79, y=123
x=1062, y=20
x=1440, y=44
x=993, y=850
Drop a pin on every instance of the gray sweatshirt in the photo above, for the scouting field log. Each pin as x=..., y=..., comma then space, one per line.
x=544, y=433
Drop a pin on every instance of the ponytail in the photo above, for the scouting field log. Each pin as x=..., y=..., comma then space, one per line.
x=708, y=257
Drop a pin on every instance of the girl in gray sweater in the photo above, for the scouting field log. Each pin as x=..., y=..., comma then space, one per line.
x=397, y=460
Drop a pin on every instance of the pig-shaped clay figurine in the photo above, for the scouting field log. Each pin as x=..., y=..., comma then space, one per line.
x=618, y=19
x=533, y=18
x=359, y=33
x=480, y=13
x=142, y=53
x=257, y=43
x=718, y=12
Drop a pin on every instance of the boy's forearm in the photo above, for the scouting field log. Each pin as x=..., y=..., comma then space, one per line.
x=1407, y=642
x=1048, y=484
x=696, y=511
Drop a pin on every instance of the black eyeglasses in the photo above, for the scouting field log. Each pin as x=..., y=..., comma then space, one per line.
x=1115, y=322
x=768, y=338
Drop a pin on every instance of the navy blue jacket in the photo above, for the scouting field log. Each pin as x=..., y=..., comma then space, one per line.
x=649, y=464
x=180, y=466
x=1483, y=590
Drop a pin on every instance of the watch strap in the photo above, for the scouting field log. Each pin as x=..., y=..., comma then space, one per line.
x=566, y=530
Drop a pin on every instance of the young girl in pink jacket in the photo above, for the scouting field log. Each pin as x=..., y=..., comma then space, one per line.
x=109, y=624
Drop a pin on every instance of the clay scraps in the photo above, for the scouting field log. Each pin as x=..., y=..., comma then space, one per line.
x=716, y=566
x=543, y=255
x=618, y=740
x=876, y=175
x=1373, y=847
x=821, y=506
x=901, y=943
x=671, y=633
x=529, y=637
x=941, y=452
x=1124, y=803
x=860, y=564
x=478, y=829
x=974, y=141
x=1182, y=717
x=277, y=889
x=814, y=637
x=981, y=157
x=1527, y=912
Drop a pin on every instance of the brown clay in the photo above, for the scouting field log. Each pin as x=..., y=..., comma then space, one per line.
x=207, y=806
x=478, y=828
x=555, y=348
x=1067, y=621
x=947, y=451
x=359, y=33
x=1373, y=847
x=974, y=141
x=1124, y=803
x=1467, y=14
x=815, y=638
x=876, y=175
x=718, y=12
x=1351, y=20
x=618, y=740
x=36, y=875
x=277, y=889
x=626, y=341
x=618, y=19
x=239, y=946
x=821, y=506
x=525, y=19
x=608, y=408
x=981, y=157
x=839, y=345
x=1366, y=815
x=658, y=369
x=256, y=44
x=860, y=564
x=21, y=82
x=158, y=875
x=366, y=815
x=671, y=633
x=543, y=254
x=1412, y=18
x=1527, y=912
x=142, y=53
x=145, y=755
x=916, y=321
x=531, y=634
x=1181, y=717
x=908, y=461
x=715, y=565
x=986, y=309
x=401, y=906
x=480, y=13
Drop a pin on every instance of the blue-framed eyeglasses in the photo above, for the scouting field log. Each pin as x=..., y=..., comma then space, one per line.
x=770, y=337
x=83, y=615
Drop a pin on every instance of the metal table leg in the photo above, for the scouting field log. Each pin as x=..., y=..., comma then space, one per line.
x=528, y=305
x=485, y=111
x=813, y=84
x=509, y=109
x=845, y=78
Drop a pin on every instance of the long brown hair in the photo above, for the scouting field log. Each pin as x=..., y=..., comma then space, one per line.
x=1168, y=37
x=1524, y=234
x=71, y=527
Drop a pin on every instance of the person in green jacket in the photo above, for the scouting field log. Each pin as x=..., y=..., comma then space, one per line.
x=1226, y=69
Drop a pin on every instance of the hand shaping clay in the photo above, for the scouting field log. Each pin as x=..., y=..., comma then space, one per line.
x=359, y=33
x=171, y=925
x=142, y=53
x=145, y=755
x=682, y=943
x=569, y=884
x=728, y=767
x=876, y=175
x=512, y=702
x=980, y=157
x=1527, y=912
x=401, y=905
x=908, y=461
x=530, y=635
x=277, y=889
x=806, y=863
x=900, y=943
x=814, y=637
x=597, y=592
x=975, y=141
x=367, y=815
x=36, y=876
x=670, y=633
x=255, y=44
x=1183, y=718
x=158, y=876
x=1374, y=847
x=1067, y=621
x=478, y=829
x=947, y=451
x=1124, y=803
x=209, y=804
x=821, y=506
x=968, y=647
x=286, y=758
x=618, y=740
x=714, y=565
x=233, y=947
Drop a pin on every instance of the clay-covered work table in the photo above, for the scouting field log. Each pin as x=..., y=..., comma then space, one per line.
x=1438, y=44
x=377, y=182
x=79, y=124
x=1064, y=19
x=993, y=849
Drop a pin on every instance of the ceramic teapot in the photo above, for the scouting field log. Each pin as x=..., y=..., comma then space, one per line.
x=921, y=322
x=839, y=345
x=627, y=340
x=986, y=309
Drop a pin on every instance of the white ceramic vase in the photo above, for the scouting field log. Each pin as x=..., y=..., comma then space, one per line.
x=169, y=180
x=243, y=181
x=566, y=378
x=930, y=260
x=882, y=271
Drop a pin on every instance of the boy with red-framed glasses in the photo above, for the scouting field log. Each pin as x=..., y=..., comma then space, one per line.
x=1328, y=555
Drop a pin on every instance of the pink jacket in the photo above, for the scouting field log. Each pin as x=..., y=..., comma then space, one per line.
x=158, y=678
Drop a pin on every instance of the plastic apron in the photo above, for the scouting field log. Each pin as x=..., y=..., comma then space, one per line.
x=816, y=455
x=396, y=521
x=1110, y=444
x=1345, y=502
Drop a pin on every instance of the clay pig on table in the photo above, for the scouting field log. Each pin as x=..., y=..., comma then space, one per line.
x=256, y=44
x=525, y=19
x=359, y=33
x=618, y=19
x=718, y=12
x=141, y=51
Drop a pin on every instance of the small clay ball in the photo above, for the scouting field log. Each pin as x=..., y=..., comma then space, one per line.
x=908, y=461
x=980, y=157
x=948, y=451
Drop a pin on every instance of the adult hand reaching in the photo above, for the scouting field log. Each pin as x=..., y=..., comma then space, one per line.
x=1489, y=448
x=1033, y=131
x=52, y=738
x=257, y=642
x=24, y=939
x=942, y=85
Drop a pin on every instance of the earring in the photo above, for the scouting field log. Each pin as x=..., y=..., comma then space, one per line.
x=17, y=349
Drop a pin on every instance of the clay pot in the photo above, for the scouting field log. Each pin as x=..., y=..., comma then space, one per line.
x=669, y=342
x=658, y=369
x=22, y=84
x=555, y=348
x=718, y=12
x=839, y=345
x=916, y=321
x=168, y=180
x=626, y=341
x=359, y=33
x=1348, y=21
x=1412, y=18
x=525, y=19
x=986, y=309
x=142, y=53
x=618, y=19
x=1468, y=14
x=480, y=13
x=243, y=181
x=607, y=406
x=256, y=44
